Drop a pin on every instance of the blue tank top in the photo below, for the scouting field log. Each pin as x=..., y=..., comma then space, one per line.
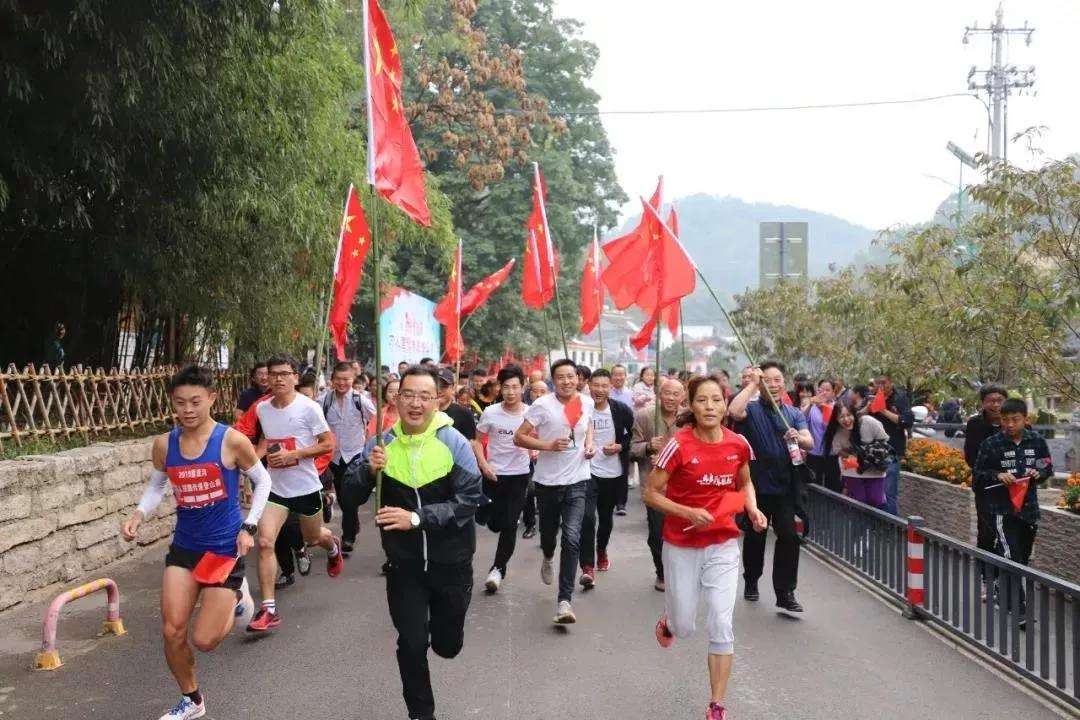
x=207, y=497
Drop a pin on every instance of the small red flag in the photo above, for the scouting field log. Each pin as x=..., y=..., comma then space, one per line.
x=572, y=410
x=1017, y=493
x=826, y=412
x=480, y=292
x=878, y=403
x=541, y=260
x=786, y=399
x=353, y=243
x=448, y=311
x=394, y=166
x=592, y=290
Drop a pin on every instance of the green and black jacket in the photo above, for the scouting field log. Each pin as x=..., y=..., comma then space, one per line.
x=435, y=475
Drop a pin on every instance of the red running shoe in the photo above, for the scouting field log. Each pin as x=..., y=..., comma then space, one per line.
x=602, y=562
x=716, y=712
x=663, y=632
x=337, y=562
x=588, y=577
x=264, y=620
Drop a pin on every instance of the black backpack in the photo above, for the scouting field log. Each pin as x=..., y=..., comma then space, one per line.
x=875, y=455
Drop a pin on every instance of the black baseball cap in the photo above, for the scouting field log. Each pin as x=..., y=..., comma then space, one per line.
x=446, y=376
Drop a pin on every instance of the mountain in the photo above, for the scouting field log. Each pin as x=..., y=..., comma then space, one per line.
x=721, y=235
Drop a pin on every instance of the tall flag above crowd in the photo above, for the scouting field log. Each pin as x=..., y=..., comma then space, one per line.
x=592, y=289
x=354, y=241
x=448, y=311
x=479, y=293
x=541, y=260
x=394, y=166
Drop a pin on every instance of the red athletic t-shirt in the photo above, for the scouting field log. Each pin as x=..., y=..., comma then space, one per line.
x=702, y=475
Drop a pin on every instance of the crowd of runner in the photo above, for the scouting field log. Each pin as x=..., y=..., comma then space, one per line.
x=552, y=453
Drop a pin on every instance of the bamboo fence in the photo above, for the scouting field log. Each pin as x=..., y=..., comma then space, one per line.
x=77, y=401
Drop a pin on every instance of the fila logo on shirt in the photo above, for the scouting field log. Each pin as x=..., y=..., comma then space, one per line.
x=717, y=480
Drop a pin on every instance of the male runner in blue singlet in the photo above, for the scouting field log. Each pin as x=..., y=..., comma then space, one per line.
x=202, y=460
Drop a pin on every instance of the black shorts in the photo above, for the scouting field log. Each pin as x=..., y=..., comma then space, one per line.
x=306, y=505
x=188, y=559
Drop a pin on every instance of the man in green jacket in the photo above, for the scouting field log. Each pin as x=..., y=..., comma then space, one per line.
x=430, y=490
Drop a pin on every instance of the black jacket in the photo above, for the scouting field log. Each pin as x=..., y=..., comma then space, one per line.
x=978, y=429
x=622, y=417
x=900, y=404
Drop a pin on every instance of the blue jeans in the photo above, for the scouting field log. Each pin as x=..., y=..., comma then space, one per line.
x=892, y=488
x=562, y=505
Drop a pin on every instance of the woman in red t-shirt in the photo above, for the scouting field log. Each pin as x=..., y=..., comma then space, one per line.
x=700, y=482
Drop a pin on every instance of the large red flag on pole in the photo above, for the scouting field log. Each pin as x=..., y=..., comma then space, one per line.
x=479, y=293
x=448, y=311
x=592, y=290
x=353, y=244
x=541, y=262
x=672, y=276
x=623, y=276
x=394, y=166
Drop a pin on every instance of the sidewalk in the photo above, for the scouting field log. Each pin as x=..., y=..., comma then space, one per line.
x=848, y=656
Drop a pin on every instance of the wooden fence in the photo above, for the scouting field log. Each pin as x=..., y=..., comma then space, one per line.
x=85, y=402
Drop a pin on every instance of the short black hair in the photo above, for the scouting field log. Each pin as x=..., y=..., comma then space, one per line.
x=255, y=368
x=194, y=375
x=509, y=373
x=283, y=359
x=562, y=362
x=385, y=389
x=862, y=391
x=425, y=361
x=770, y=364
x=726, y=374
x=992, y=389
x=342, y=366
x=419, y=371
x=403, y=362
x=1014, y=406
x=600, y=373
x=618, y=365
x=584, y=372
x=478, y=371
x=804, y=386
x=308, y=379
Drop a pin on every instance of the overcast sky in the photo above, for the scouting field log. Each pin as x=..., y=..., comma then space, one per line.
x=867, y=165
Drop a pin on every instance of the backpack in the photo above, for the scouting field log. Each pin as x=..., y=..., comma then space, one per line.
x=328, y=402
x=877, y=454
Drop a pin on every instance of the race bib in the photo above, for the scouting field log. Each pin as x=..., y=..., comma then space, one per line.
x=199, y=485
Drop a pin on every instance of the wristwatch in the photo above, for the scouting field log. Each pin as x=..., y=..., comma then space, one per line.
x=415, y=520
x=250, y=528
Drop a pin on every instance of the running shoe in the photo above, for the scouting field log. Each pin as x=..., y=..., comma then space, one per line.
x=494, y=579
x=588, y=577
x=346, y=548
x=185, y=710
x=245, y=606
x=530, y=532
x=284, y=581
x=337, y=562
x=659, y=585
x=264, y=620
x=663, y=632
x=547, y=571
x=303, y=563
x=327, y=508
x=602, y=562
x=716, y=712
x=620, y=510
x=564, y=614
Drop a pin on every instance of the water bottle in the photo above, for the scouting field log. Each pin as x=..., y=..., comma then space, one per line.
x=794, y=452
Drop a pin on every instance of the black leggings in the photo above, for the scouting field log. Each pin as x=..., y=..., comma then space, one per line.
x=508, y=498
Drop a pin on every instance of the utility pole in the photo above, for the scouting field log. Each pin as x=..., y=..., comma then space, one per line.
x=999, y=80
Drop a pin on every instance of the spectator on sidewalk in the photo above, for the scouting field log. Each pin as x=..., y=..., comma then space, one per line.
x=818, y=415
x=979, y=427
x=260, y=386
x=845, y=434
x=897, y=420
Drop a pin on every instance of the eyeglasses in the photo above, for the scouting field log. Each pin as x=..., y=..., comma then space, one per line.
x=281, y=374
x=410, y=396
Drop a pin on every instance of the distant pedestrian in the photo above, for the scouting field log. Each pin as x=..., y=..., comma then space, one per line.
x=897, y=419
x=986, y=424
x=645, y=388
x=54, y=348
x=259, y=386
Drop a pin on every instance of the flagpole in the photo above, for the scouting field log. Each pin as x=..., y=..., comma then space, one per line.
x=595, y=250
x=551, y=255
x=656, y=383
x=376, y=304
x=325, y=317
x=682, y=333
x=600, y=332
x=547, y=337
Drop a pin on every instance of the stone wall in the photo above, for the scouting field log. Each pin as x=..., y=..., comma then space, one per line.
x=60, y=517
x=950, y=509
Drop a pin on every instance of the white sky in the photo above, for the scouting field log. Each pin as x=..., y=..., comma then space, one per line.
x=866, y=165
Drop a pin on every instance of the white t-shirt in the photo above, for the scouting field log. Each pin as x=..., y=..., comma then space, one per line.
x=294, y=427
x=603, y=433
x=568, y=466
x=505, y=457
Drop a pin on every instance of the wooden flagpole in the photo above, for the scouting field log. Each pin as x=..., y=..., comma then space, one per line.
x=551, y=257
x=376, y=300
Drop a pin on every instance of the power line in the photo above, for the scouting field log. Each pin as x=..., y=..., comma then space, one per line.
x=752, y=109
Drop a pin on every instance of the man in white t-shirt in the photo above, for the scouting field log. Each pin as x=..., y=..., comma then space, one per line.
x=562, y=422
x=295, y=433
x=506, y=466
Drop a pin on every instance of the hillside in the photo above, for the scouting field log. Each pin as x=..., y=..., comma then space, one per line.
x=721, y=234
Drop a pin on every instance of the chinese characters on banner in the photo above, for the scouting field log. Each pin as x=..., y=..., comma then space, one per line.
x=408, y=330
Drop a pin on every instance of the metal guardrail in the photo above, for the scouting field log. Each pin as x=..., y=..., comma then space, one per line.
x=1025, y=619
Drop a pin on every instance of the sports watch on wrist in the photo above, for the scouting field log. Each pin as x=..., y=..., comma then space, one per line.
x=250, y=528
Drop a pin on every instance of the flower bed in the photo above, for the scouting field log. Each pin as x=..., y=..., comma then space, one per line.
x=938, y=461
x=1070, y=496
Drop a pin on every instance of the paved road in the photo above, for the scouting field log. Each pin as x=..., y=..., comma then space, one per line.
x=849, y=656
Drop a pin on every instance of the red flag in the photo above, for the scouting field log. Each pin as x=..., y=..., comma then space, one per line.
x=785, y=399
x=394, y=166
x=623, y=277
x=592, y=290
x=541, y=260
x=572, y=410
x=668, y=274
x=448, y=311
x=353, y=243
x=1017, y=493
x=878, y=403
x=538, y=363
x=480, y=292
x=826, y=412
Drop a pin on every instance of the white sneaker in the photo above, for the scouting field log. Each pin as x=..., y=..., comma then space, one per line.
x=547, y=571
x=185, y=710
x=564, y=614
x=494, y=579
x=245, y=607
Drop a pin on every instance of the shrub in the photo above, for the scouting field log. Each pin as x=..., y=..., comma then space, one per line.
x=937, y=460
x=1070, y=496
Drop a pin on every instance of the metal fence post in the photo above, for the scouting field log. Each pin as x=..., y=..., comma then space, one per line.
x=914, y=588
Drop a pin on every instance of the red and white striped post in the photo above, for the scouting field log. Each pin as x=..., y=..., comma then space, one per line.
x=915, y=567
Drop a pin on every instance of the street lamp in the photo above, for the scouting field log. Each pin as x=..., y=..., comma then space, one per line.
x=965, y=159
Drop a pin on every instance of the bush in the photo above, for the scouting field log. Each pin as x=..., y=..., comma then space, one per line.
x=937, y=460
x=1070, y=496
